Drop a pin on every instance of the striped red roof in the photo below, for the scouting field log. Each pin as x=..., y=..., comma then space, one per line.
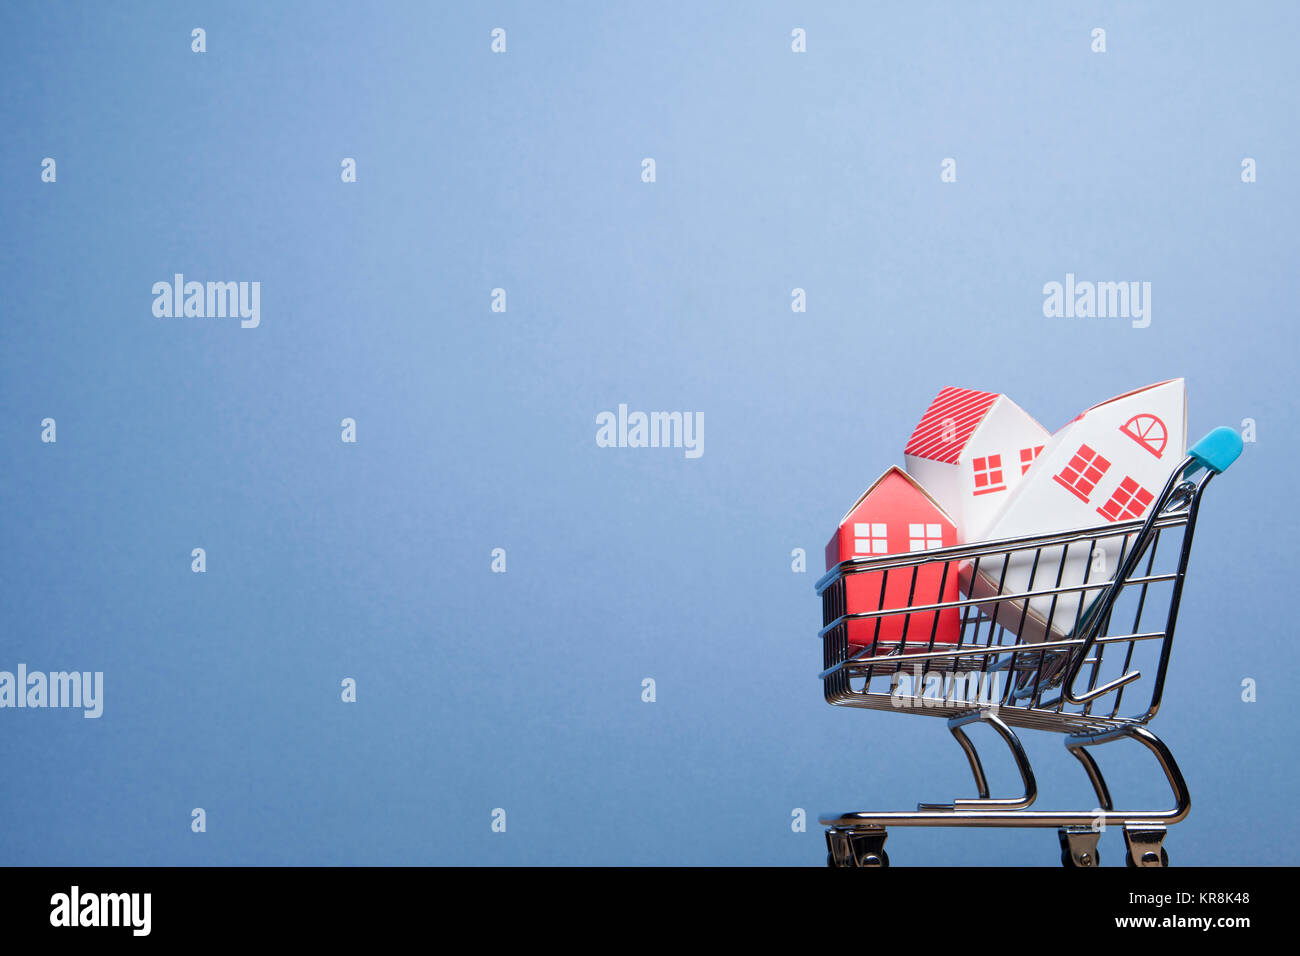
x=949, y=423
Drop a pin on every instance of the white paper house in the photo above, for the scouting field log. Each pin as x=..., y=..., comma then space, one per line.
x=1107, y=465
x=970, y=451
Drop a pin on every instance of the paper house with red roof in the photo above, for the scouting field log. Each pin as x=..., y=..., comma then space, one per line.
x=970, y=451
x=897, y=516
x=1107, y=465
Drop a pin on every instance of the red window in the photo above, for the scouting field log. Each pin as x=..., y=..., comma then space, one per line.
x=988, y=475
x=1083, y=472
x=1027, y=456
x=1130, y=500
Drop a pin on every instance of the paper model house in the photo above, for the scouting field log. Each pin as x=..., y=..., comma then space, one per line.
x=970, y=451
x=1107, y=465
x=896, y=515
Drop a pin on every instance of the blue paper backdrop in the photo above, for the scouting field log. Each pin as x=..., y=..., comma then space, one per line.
x=476, y=429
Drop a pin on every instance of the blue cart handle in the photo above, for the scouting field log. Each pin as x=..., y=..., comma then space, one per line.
x=1217, y=450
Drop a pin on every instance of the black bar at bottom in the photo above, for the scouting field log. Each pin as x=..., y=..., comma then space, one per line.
x=335, y=905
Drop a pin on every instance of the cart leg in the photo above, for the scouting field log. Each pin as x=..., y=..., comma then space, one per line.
x=1094, y=775
x=1144, y=845
x=1173, y=775
x=856, y=846
x=977, y=768
x=1079, y=846
x=983, y=802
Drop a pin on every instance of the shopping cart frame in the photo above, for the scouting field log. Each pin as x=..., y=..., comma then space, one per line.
x=1088, y=716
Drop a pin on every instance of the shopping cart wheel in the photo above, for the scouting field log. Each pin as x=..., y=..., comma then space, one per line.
x=856, y=847
x=1067, y=859
x=1079, y=846
x=884, y=860
x=1144, y=845
x=1164, y=859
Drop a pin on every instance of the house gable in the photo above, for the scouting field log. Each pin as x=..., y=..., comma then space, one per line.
x=1130, y=394
x=948, y=424
x=895, y=501
x=1098, y=454
x=973, y=475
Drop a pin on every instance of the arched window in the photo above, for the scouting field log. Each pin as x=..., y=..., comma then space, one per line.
x=1148, y=431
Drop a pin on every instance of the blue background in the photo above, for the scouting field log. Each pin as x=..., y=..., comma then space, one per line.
x=476, y=429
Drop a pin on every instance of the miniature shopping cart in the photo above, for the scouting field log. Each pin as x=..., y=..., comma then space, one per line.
x=1096, y=677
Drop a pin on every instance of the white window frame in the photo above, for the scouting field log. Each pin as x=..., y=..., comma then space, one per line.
x=925, y=537
x=870, y=537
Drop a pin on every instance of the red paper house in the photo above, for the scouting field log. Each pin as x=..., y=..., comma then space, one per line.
x=896, y=515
